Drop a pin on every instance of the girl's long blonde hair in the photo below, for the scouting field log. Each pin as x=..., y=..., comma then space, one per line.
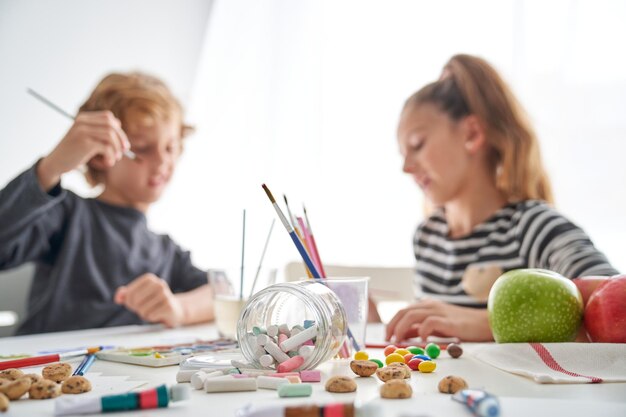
x=471, y=86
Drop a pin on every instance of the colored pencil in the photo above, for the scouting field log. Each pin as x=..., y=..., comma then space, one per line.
x=314, y=249
x=40, y=360
x=308, y=244
x=85, y=365
x=299, y=232
x=292, y=234
x=303, y=253
x=128, y=153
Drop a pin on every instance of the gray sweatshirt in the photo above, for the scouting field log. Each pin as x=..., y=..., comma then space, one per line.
x=84, y=250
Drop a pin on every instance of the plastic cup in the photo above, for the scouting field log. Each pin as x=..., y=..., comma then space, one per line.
x=352, y=291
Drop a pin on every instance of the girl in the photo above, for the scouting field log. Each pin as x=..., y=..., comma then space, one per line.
x=466, y=143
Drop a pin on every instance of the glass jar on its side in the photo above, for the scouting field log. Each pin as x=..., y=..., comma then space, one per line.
x=292, y=304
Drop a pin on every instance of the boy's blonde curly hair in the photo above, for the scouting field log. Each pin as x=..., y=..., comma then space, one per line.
x=133, y=97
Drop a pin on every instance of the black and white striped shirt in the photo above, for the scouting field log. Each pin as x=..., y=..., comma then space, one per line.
x=527, y=234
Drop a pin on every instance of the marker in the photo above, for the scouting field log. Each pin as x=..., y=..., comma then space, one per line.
x=158, y=397
x=85, y=365
x=40, y=360
x=480, y=403
x=332, y=409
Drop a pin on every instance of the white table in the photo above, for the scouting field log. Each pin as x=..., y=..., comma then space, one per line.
x=518, y=396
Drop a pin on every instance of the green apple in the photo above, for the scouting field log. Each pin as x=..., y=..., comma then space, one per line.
x=534, y=305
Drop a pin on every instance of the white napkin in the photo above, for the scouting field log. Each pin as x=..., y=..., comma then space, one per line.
x=559, y=363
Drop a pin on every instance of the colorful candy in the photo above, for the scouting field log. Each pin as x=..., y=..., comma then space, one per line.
x=394, y=357
x=433, y=350
x=361, y=356
x=408, y=357
x=427, y=366
x=454, y=350
x=415, y=350
x=414, y=363
x=377, y=362
x=390, y=349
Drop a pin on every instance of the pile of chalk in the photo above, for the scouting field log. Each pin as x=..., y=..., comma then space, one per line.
x=288, y=384
x=282, y=348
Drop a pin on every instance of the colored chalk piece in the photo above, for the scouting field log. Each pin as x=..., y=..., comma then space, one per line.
x=293, y=379
x=229, y=384
x=284, y=329
x=306, y=351
x=295, y=390
x=272, y=330
x=262, y=339
x=311, y=376
x=185, y=376
x=283, y=374
x=197, y=379
x=258, y=330
x=268, y=382
x=273, y=349
x=290, y=365
x=295, y=341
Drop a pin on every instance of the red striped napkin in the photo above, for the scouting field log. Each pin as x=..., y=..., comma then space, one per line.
x=559, y=363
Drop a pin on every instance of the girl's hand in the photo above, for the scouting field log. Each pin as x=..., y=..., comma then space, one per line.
x=151, y=299
x=435, y=318
x=95, y=138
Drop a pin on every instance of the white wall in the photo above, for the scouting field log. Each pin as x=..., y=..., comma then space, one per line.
x=305, y=96
x=63, y=48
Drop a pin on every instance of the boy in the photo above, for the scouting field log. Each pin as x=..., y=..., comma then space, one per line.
x=97, y=264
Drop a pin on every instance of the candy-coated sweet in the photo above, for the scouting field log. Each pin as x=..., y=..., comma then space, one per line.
x=414, y=363
x=433, y=350
x=361, y=356
x=378, y=362
x=402, y=352
x=427, y=366
x=415, y=350
x=390, y=349
x=394, y=357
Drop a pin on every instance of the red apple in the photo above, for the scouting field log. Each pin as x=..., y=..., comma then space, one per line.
x=587, y=285
x=605, y=314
